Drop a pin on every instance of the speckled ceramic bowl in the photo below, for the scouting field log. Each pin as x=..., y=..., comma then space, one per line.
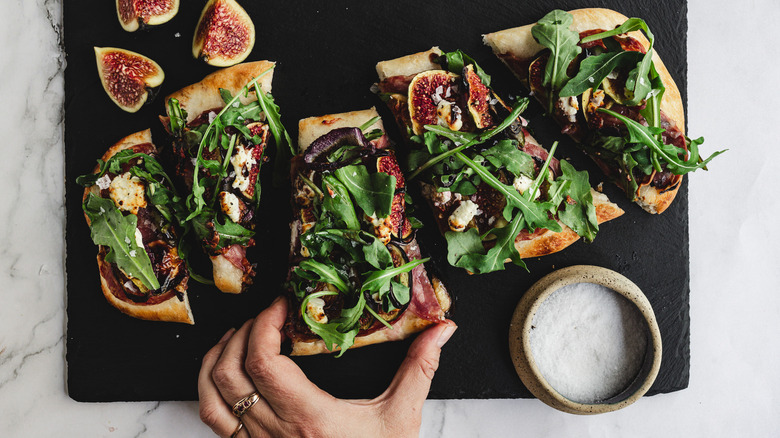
x=520, y=348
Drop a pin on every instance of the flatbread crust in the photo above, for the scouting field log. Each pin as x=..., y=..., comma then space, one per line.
x=520, y=43
x=203, y=96
x=171, y=310
x=310, y=129
x=543, y=244
x=550, y=242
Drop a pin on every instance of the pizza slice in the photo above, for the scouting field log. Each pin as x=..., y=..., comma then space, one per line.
x=221, y=128
x=132, y=211
x=598, y=75
x=357, y=276
x=496, y=193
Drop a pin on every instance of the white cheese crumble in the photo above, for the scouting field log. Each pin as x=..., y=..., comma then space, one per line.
x=127, y=192
x=570, y=106
x=462, y=215
x=316, y=310
x=242, y=161
x=103, y=182
x=448, y=115
x=230, y=206
x=212, y=116
x=523, y=183
x=612, y=75
x=139, y=238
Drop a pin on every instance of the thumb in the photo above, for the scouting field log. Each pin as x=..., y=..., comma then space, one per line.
x=412, y=382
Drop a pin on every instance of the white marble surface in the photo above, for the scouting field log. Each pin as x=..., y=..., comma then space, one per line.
x=734, y=55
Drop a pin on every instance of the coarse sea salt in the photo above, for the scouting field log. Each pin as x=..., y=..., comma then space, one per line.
x=588, y=342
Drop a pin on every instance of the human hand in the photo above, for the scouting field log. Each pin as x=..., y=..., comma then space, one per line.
x=249, y=360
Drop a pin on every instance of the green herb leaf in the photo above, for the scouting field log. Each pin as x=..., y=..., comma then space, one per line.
x=638, y=133
x=457, y=60
x=372, y=192
x=108, y=227
x=379, y=281
x=467, y=139
x=594, y=69
x=331, y=333
x=578, y=213
x=324, y=273
x=337, y=201
x=553, y=32
x=462, y=243
x=494, y=259
x=506, y=154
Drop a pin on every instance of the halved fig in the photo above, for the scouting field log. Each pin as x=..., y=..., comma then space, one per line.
x=432, y=101
x=536, y=77
x=127, y=77
x=225, y=34
x=133, y=14
x=478, y=99
x=389, y=165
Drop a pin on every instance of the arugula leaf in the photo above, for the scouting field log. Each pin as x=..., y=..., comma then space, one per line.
x=468, y=139
x=506, y=154
x=638, y=133
x=323, y=273
x=337, y=201
x=108, y=227
x=379, y=281
x=578, y=213
x=212, y=136
x=462, y=243
x=638, y=81
x=331, y=332
x=481, y=262
x=372, y=192
x=553, y=32
x=594, y=69
x=177, y=116
x=457, y=60
x=534, y=213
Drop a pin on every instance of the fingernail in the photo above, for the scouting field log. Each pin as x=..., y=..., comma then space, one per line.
x=445, y=335
x=227, y=335
x=279, y=298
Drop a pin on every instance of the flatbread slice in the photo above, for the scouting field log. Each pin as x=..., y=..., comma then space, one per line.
x=397, y=79
x=202, y=102
x=169, y=302
x=428, y=300
x=518, y=49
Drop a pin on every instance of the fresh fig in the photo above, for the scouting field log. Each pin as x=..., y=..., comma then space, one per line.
x=127, y=76
x=225, y=34
x=140, y=13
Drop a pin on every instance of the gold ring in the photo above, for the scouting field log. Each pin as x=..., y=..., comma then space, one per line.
x=238, y=429
x=245, y=403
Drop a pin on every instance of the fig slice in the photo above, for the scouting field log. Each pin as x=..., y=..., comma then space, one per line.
x=133, y=14
x=432, y=101
x=478, y=99
x=127, y=77
x=225, y=34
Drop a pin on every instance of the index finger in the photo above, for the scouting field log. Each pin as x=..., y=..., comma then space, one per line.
x=277, y=377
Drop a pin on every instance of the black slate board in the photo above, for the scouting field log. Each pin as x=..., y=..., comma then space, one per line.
x=326, y=53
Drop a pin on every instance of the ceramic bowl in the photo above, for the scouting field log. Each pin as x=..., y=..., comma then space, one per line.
x=520, y=349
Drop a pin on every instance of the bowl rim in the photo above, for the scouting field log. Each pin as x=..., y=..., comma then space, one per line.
x=522, y=319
